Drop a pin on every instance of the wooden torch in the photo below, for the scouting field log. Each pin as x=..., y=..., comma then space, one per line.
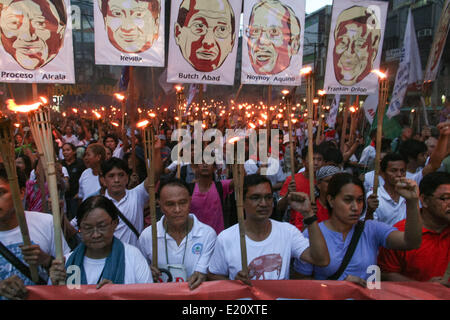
x=149, y=150
x=382, y=99
x=180, y=101
x=308, y=74
x=9, y=160
x=238, y=179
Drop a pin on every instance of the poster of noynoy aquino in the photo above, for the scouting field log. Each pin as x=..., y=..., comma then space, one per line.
x=203, y=41
x=36, y=41
x=272, y=47
x=354, y=47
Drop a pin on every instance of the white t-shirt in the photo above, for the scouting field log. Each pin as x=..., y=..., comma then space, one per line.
x=118, y=152
x=89, y=184
x=389, y=211
x=267, y=260
x=368, y=156
x=40, y=228
x=132, y=207
x=199, y=246
x=369, y=178
x=136, y=268
x=72, y=139
x=64, y=172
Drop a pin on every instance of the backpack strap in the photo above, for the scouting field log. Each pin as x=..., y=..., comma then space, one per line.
x=350, y=250
x=18, y=264
x=128, y=223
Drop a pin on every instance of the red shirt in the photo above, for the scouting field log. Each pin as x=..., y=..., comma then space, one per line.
x=422, y=264
x=297, y=217
x=302, y=184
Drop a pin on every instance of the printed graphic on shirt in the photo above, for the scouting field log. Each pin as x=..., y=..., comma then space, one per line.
x=8, y=270
x=262, y=264
x=197, y=248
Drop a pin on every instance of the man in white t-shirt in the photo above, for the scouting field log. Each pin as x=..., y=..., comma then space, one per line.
x=41, y=250
x=89, y=183
x=270, y=244
x=111, y=141
x=184, y=243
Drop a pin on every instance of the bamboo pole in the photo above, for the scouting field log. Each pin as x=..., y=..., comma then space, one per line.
x=238, y=177
x=7, y=151
x=344, y=123
x=149, y=146
x=40, y=120
x=287, y=99
x=383, y=94
x=309, y=101
x=179, y=108
x=132, y=111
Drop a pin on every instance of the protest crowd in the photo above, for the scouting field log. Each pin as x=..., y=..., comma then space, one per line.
x=196, y=190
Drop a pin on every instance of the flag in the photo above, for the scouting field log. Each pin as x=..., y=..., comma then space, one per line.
x=409, y=70
x=370, y=106
x=331, y=120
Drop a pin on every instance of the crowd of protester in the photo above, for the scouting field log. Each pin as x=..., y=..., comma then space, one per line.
x=404, y=228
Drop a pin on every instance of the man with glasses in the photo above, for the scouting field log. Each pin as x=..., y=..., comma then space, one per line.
x=270, y=244
x=429, y=262
x=273, y=36
x=205, y=32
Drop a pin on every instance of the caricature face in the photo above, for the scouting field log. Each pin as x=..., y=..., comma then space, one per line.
x=356, y=47
x=269, y=39
x=31, y=32
x=206, y=36
x=130, y=25
x=442, y=40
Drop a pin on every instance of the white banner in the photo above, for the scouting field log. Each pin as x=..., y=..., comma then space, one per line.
x=331, y=120
x=355, y=46
x=129, y=32
x=440, y=38
x=272, y=42
x=371, y=106
x=409, y=70
x=36, y=41
x=203, y=41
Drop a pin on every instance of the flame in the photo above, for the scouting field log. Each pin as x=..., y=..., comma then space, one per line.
x=98, y=115
x=322, y=92
x=75, y=110
x=252, y=125
x=63, y=114
x=119, y=96
x=380, y=74
x=43, y=100
x=179, y=88
x=22, y=108
x=115, y=124
x=285, y=92
x=316, y=101
x=153, y=115
x=352, y=109
x=306, y=70
x=142, y=123
x=264, y=116
x=17, y=125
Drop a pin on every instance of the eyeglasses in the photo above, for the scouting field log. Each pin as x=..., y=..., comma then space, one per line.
x=102, y=228
x=258, y=198
x=271, y=32
x=200, y=29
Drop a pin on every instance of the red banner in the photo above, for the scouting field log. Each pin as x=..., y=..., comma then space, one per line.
x=260, y=290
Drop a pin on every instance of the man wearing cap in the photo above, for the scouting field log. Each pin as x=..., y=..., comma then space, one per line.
x=323, y=176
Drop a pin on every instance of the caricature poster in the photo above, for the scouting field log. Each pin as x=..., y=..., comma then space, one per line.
x=36, y=41
x=272, y=45
x=129, y=32
x=203, y=41
x=354, y=47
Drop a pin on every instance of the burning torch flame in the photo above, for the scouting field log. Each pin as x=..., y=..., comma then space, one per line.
x=252, y=125
x=234, y=140
x=352, y=109
x=316, y=101
x=322, y=92
x=119, y=96
x=142, y=123
x=285, y=92
x=22, y=108
x=115, y=124
x=306, y=70
x=178, y=88
x=98, y=115
x=75, y=110
x=380, y=74
x=153, y=115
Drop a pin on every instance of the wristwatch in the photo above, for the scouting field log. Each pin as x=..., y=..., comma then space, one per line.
x=310, y=220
